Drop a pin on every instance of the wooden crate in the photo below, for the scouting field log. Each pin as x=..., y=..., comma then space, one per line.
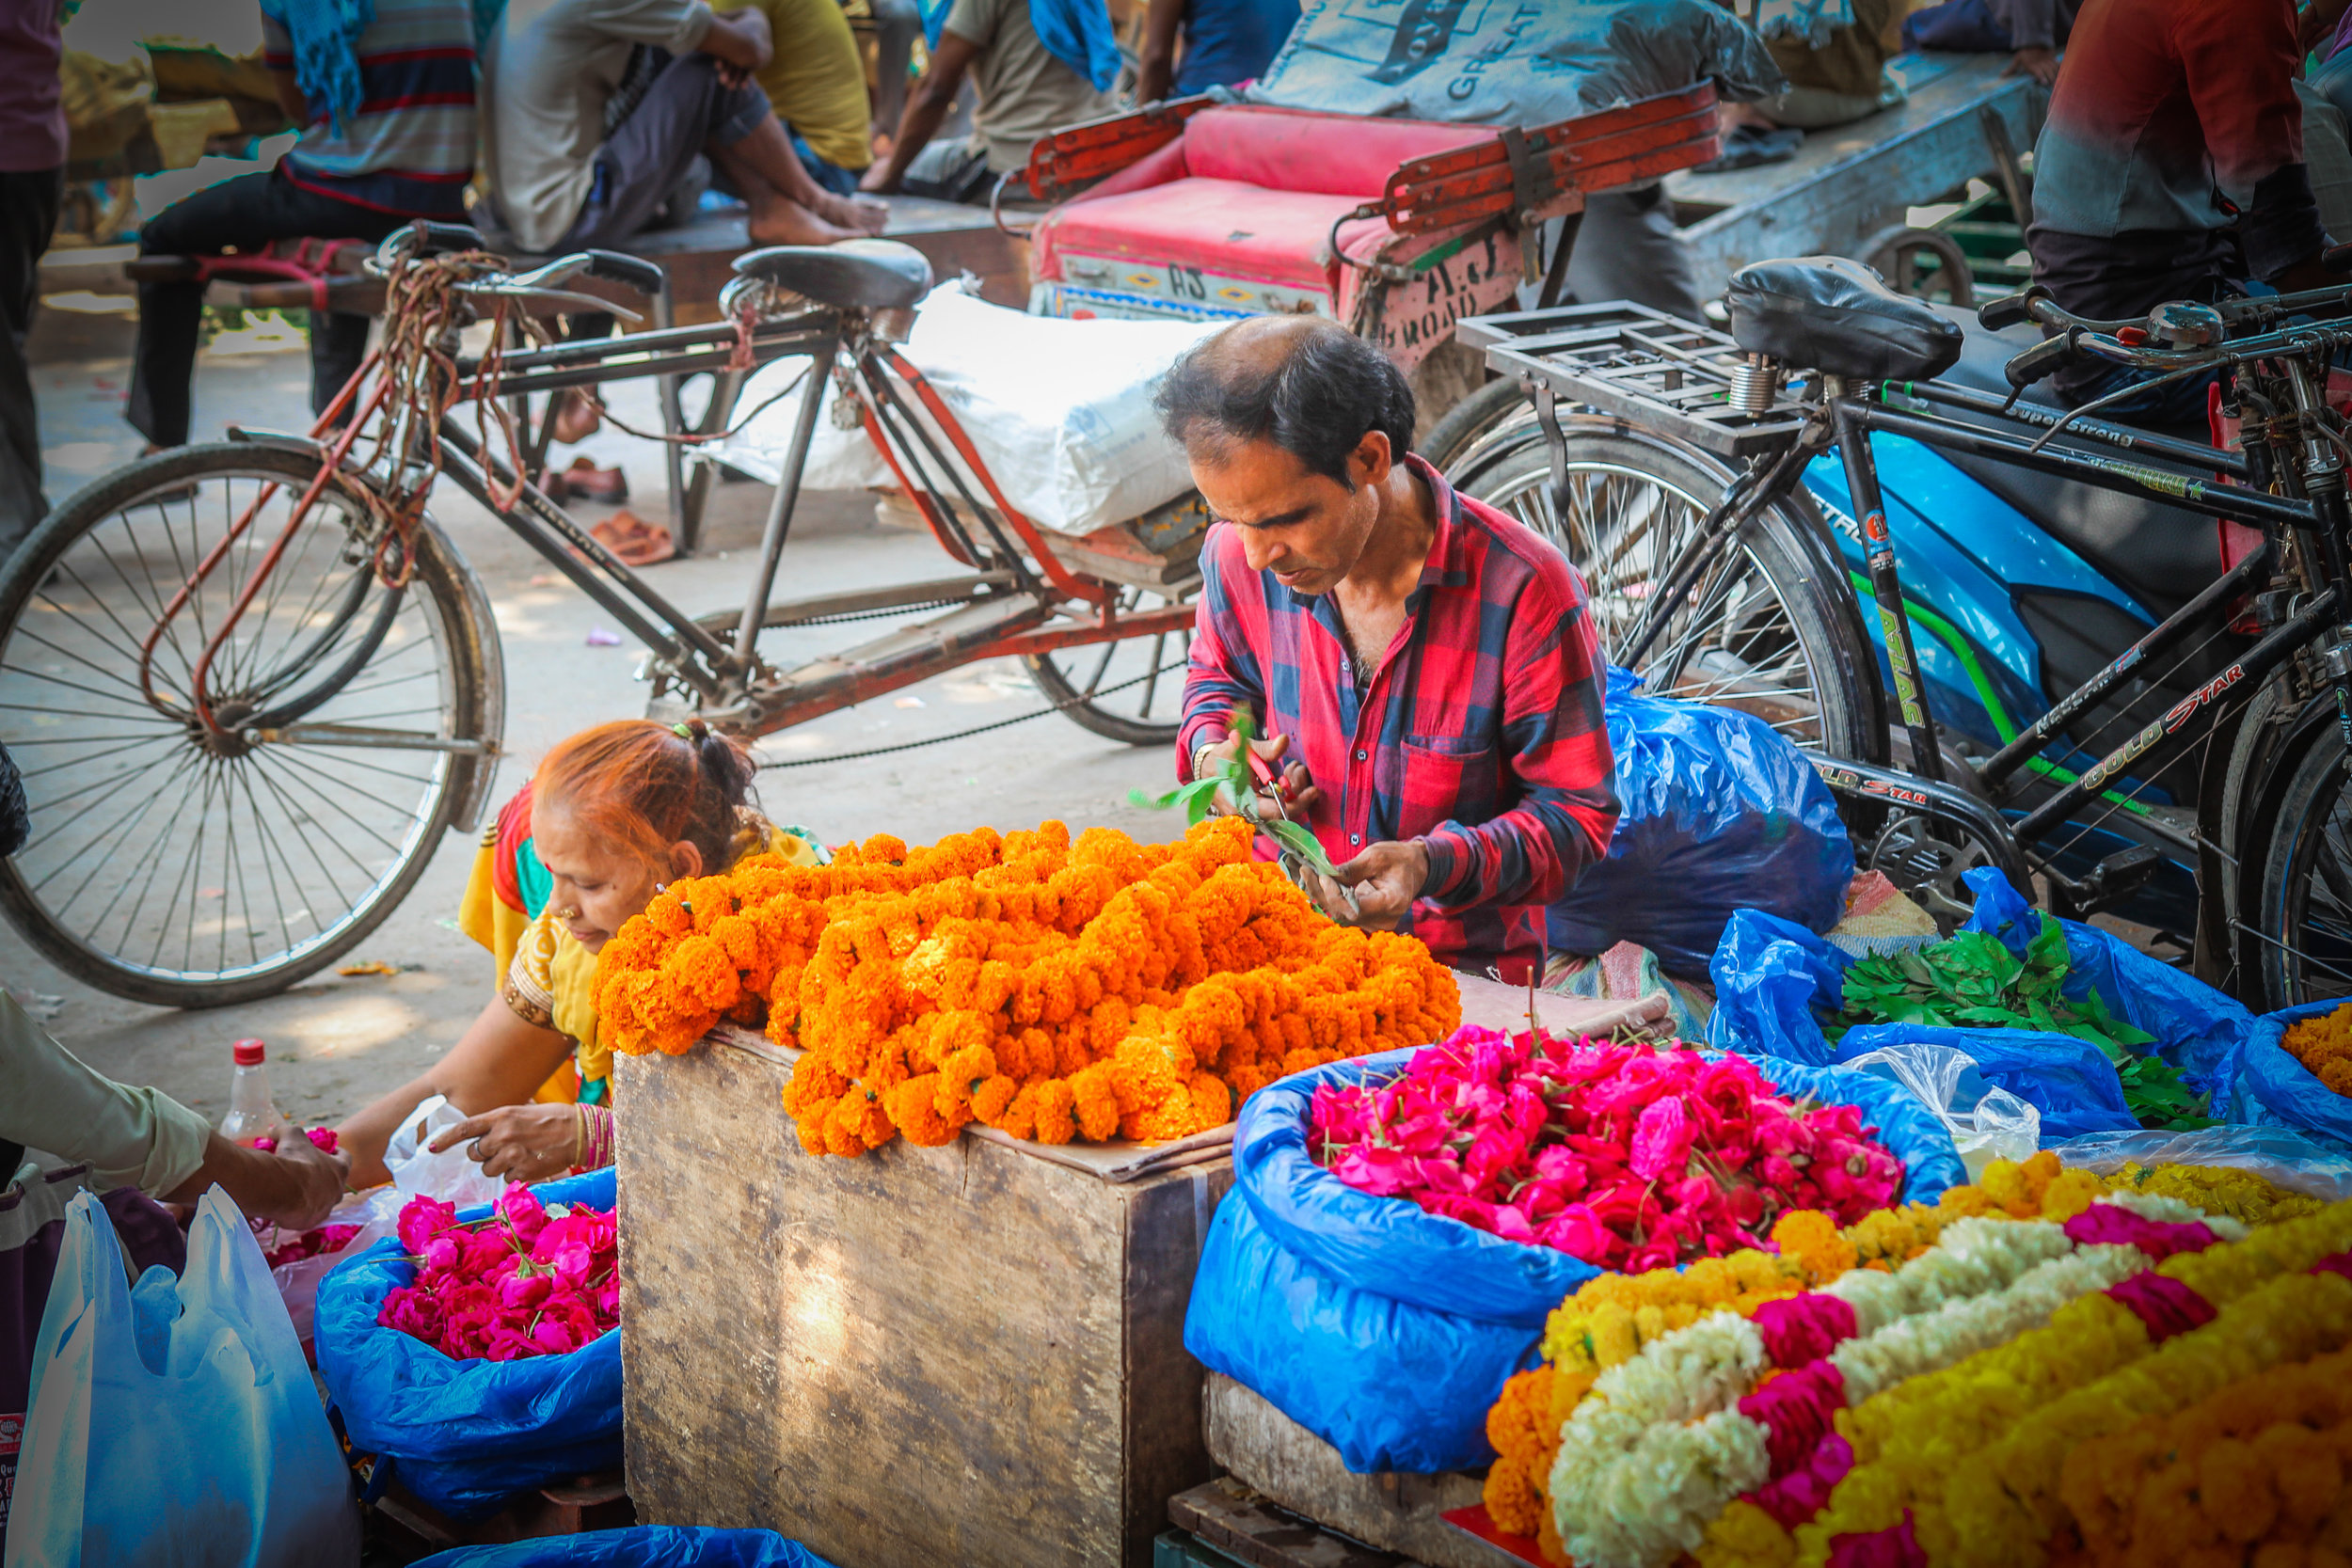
x=970, y=1355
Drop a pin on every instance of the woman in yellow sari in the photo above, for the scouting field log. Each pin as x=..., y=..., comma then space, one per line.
x=614, y=815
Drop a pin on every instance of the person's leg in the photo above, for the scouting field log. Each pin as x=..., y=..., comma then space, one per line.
x=1627, y=248
x=29, y=213
x=897, y=25
x=248, y=212
x=829, y=177
x=787, y=206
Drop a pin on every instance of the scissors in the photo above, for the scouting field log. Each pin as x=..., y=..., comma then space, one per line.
x=1274, y=787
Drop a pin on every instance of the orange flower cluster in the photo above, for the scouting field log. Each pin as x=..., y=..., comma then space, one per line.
x=2324, y=1044
x=1054, y=989
x=2256, y=1473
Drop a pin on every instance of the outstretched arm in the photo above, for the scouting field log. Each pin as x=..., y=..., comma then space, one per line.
x=501, y=1060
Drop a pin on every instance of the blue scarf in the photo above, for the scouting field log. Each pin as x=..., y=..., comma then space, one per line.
x=325, y=36
x=1075, y=32
x=486, y=23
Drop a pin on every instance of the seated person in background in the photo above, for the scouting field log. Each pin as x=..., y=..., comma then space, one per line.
x=387, y=118
x=1036, y=65
x=1836, y=75
x=2171, y=167
x=614, y=815
x=1226, y=42
x=597, y=111
x=2030, y=32
x=816, y=85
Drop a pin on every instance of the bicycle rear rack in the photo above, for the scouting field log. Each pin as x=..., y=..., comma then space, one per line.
x=1640, y=365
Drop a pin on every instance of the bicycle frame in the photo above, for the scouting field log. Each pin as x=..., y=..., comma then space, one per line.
x=1850, y=419
x=1019, y=599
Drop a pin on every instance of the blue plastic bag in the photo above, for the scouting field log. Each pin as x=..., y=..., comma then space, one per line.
x=1387, y=1331
x=2275, y=1090
x=1715, y=805
x=175, y=1420
x=1775, y=982
x=466, y=1436
x=645, y=1547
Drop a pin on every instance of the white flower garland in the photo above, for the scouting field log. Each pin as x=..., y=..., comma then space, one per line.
x=1656, y=1451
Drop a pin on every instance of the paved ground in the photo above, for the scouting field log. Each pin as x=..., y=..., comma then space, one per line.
x=336, y=1042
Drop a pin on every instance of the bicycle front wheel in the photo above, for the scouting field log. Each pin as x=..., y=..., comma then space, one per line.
x=187, y=865
x=1771, y=631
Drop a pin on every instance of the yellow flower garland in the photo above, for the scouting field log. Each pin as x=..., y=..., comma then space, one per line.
x=1909, y=1442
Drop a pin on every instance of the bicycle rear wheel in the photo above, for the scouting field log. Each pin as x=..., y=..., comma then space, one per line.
x=173, y=865
x=1773, y=630
x=1131, y=690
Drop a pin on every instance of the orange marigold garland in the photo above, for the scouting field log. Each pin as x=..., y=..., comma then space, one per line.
x=1055, y=990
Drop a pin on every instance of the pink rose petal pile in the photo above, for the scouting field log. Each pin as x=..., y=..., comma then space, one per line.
x=311, y=1243
x=1629, y=1157
x=528, y=1280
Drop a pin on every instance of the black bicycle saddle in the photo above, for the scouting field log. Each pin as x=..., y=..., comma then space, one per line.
x=864, y=275
x=1836, y=316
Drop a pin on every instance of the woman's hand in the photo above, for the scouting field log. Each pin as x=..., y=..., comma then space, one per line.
x=520, y=1143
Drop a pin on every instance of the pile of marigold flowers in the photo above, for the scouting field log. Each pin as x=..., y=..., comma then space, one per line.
x=1626, y=1156
x=2324, y=1044
x=1614, y=1321
x=1054, y=989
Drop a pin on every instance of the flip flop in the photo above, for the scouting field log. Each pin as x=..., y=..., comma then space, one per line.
x=634, y=540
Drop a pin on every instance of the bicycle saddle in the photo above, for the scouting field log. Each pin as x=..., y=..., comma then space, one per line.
x=1829, y=315
x=864, y=275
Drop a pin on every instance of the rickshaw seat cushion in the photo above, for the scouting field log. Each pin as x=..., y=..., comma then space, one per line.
x=1832, y=315
x=868, y=275
x=1326, y=155
x=1225, y=228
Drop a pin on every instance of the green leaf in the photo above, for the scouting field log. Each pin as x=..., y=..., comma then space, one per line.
x=1300, y=841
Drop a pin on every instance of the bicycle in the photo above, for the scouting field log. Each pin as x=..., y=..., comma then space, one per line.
x=1667, y=458
x=256, y=681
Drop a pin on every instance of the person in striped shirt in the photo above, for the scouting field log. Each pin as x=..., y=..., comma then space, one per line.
x=387, y=119
x=1424, y=669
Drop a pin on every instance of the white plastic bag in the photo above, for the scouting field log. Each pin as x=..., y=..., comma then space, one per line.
x=174, y=1424
x=1060, y=412
x=453, y=1176
x=1986, y=1122
x=2283, y=1155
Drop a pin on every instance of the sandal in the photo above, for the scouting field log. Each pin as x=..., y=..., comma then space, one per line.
x=583, y=480
x=634, y=540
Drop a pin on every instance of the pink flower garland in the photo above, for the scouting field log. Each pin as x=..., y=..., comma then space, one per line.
x=2112, y=1225
x=1627, y=1156
x=524, y=1282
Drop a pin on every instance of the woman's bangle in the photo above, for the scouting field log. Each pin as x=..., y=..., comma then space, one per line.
x=579, y=1134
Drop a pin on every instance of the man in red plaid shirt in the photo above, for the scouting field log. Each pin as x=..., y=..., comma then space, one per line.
x=1424, y=668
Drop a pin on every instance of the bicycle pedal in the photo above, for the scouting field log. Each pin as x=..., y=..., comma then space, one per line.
x=2112, y=880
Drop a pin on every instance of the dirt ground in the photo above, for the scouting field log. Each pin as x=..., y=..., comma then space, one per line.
x=337, y=1042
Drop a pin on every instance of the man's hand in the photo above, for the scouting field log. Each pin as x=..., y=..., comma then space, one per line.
x=1300, y=791
x=2040, y=64
x=522, y=1143
x=315, y=1176
x=733, y=78
x=1387, y=879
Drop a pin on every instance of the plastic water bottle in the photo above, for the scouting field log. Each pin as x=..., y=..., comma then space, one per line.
x=252, y=1114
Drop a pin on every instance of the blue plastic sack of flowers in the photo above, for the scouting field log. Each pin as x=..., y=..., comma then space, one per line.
x=1715, y=804
x=1775, y=983
x=1387, y=1331
x=2276, y=1090
x=464, y=1436
x=644, y=1546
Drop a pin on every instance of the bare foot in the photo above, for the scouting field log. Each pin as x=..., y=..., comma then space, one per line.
x=863, y=213
x=576, y=418
x=782, y=222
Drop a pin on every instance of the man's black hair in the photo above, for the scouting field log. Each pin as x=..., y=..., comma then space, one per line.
x=1314, y=392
